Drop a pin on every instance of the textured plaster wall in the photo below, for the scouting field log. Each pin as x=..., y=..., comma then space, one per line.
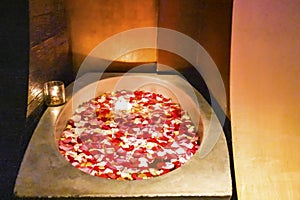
x=208, y=22
x=265, y=83
x=91, y=22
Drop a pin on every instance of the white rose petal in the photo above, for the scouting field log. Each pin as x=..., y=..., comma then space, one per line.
x=107, y=170
x=174, y=145
x=161, y=153
x=180, y=151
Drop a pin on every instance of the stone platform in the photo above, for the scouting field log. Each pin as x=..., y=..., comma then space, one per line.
x=45, y=173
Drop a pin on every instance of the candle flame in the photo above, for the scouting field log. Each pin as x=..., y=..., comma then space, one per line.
x=54, y=91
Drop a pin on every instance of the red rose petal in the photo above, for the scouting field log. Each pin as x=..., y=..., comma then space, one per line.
x=120, y=137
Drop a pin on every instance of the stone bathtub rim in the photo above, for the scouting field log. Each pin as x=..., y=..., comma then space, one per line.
x=220, y=173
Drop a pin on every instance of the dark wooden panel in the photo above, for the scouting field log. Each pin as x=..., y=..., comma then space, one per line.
x=47, y=61
x=45, y=55
x=47, y=18
x=38, y=7
x=49, y=54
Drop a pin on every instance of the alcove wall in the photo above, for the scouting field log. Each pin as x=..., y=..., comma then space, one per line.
x=207, y=22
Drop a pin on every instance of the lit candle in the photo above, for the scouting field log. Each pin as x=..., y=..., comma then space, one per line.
x=54, y=93
x=54, y=90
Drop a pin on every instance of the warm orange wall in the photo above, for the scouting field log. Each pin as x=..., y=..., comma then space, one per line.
x=208, y=23
x=265, y=98
x=93, y=21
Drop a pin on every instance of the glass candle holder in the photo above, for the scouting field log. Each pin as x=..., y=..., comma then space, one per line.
x=54, y=93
